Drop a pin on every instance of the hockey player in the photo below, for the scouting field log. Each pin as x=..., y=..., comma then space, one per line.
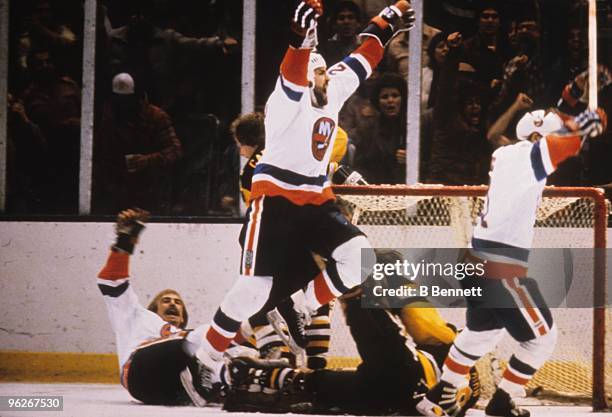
x=291, y=197
x=249, y=134
x=156, y=353
x=395, y=370
x=501, y=240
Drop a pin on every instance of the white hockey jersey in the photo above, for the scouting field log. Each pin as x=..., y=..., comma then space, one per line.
x=132, y=323
x=517, y=178
x=299, y=136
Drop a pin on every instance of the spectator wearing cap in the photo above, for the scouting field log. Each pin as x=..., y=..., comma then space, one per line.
x=380, y=154
x=345, y=22
x=460, y=153
x=135, y=148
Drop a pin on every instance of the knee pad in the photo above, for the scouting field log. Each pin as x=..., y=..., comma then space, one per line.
x=478, y=343
x=246, y=297
x=348, y=260
x=536, y=351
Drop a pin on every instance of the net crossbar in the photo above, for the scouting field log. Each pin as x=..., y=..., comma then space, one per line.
x=443, y=216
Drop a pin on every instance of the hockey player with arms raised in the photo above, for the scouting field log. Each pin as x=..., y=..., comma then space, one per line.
x=291, y=197
x=156, y=351
x=501, y=240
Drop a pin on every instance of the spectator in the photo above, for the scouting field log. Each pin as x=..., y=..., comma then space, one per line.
x=527, y=71
x=26, y=147
x=53, y=103
x=437, y=50
x=358, y=113
x=134, y=150
x=199, y=133
x=371, y=8
x=151, y=53
x=45, y=26
x=573, y=62
x=380, y=155
x=499, y=134
x=345, y=22
x=460, y=153
x=487, y=50
x=396, y=53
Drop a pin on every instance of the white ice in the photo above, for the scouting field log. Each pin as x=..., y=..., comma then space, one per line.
x=106, y=400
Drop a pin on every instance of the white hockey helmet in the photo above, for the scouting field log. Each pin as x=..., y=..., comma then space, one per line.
x=538, y=121
x=316, y=61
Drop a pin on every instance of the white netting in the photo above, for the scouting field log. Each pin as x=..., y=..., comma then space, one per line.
x=441, y=221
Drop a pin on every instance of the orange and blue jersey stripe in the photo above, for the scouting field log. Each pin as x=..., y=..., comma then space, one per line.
x=297, y=188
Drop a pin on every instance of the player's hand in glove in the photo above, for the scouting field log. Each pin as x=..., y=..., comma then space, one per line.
x=304, y=24
x=345, y=175
x=391, y=20
x=591, y=123
x=128, y=227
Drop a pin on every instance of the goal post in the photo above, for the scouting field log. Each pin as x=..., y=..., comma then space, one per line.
x=442, y=216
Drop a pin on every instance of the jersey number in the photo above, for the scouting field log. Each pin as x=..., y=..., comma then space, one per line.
x=339, y=67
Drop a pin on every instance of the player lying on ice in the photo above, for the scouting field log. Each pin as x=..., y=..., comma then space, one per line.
x=401, y=353
x=156, y=352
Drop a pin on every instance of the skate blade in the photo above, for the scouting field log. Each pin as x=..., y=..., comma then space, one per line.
x=187, y=382
x=277, y=322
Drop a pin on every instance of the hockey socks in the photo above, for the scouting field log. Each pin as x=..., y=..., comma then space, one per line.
x=246, y=297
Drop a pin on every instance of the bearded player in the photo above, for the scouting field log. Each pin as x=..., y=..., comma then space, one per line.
x=501, y=240
x=291, y=198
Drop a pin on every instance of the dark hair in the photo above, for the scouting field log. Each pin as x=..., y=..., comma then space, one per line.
x=467, y=88
x=153, y=305
x=389, y=80
x=345, y=5
x=488, y=4
x=249, y=129
x=431, y=47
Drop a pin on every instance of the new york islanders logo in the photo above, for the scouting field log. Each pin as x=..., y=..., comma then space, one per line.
x=321, y=136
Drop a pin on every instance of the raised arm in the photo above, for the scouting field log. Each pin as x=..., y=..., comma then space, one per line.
x=347, y=74
x=113, y=279
x=555, y=148
x=292, y=84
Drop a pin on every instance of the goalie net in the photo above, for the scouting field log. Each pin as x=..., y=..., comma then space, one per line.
x=443, y=217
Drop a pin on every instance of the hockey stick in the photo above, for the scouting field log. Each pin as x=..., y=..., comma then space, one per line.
x=593, y=55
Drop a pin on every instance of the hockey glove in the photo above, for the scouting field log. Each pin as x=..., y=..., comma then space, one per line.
x=304, y=24
x=129, y=225
x=591, y=123
x=390, y=21
x=345, y=175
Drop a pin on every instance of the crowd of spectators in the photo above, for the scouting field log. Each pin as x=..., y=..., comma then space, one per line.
x=168, y=87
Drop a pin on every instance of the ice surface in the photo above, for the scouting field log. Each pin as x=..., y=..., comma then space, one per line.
x=105, y=400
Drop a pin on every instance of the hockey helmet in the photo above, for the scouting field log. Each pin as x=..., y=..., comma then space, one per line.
x=538, y=121
x=316, y=61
